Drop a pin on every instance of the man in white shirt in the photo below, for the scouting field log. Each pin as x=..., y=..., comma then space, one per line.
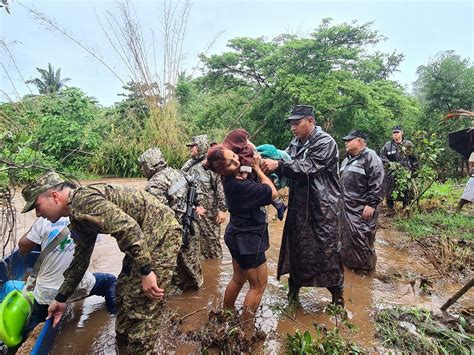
x=50, y=275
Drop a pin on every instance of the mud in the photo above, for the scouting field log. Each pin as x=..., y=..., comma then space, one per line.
x=401, y=267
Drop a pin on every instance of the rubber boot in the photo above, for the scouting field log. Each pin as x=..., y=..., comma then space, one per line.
x=338, y=298
x=293, y=292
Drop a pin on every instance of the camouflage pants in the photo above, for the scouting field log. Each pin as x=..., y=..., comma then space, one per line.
x=138, y=318
x=209, y=237
x=188, y=271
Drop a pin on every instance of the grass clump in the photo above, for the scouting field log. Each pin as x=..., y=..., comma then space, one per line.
x=415, y=330
x=226, y=333
x=325, y=341
x=446, y=237
x=437, y=223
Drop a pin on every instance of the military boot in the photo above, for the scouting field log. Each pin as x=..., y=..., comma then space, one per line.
x=338, y=298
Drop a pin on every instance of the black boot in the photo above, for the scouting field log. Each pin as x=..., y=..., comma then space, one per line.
x=338, y=298
x=293, y=292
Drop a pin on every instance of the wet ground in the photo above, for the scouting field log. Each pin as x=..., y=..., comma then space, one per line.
x=89, y=328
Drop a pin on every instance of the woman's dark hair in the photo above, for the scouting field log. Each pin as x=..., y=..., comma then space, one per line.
x=215, y=160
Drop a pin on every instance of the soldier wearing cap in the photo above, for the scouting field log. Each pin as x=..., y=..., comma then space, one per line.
x=211, y=196
x=311, y=245
x=361, y=185
x=399, y=150
x=145, y=230
x=170, y=186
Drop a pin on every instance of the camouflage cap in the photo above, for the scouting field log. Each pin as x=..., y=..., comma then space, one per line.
x=151, y=162
x=197, y=140
x=31, y=192
x=202, y=143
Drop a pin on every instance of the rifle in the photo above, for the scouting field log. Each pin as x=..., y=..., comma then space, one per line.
x=190, y=213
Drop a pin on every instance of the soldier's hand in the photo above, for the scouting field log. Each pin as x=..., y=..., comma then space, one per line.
x=200, y=211
x=150, y=287
x=220, y=218
x=268, y=165
x=56, y=310
x=368, y=213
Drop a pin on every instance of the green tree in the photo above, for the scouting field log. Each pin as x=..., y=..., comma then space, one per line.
x=62, y=129
x=333, y=68
x=50, y=81
x=445, y=84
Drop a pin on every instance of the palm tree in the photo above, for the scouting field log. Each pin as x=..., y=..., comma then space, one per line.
x=50, y=81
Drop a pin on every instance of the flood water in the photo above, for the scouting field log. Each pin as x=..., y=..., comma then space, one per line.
x=90, y=330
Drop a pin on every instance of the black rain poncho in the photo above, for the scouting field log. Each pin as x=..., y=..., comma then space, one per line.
x=361, y=185
x=311, y=245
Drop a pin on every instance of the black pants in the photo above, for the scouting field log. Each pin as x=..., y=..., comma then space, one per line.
x=332, y=289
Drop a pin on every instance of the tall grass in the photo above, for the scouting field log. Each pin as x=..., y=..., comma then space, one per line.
x=413, y=330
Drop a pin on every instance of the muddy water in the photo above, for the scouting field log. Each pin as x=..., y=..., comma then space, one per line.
x=89, y=329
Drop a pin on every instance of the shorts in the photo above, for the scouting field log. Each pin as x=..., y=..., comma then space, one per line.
x=251, y=261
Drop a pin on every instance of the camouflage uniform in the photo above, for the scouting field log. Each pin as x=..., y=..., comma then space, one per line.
x=147, y=232
x=169, y=186
x=211, y=196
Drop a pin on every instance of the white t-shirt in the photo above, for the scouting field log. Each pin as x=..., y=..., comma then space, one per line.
x=50, y=276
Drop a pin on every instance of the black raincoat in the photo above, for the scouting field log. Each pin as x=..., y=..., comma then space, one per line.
x=311, y=245
x=361, y=185
x=401, y=153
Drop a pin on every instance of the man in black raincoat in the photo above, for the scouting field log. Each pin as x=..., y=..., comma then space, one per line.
x=311, y=245
x=398, y=150
x=361, y=185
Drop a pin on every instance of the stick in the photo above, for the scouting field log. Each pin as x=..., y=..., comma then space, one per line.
x=192, y=313
x=457, y=295
x=419, y=196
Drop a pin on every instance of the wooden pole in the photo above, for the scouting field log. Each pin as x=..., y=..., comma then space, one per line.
x=457, y=295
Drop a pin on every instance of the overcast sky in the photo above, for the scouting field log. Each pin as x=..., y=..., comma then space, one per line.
x=418, y=29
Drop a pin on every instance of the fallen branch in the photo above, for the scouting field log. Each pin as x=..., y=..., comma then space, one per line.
x=192, y=313
x=457, y=295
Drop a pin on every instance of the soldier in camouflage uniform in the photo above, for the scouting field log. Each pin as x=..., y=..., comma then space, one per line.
x=170, y=187
x=145, y=230
x=211, y=196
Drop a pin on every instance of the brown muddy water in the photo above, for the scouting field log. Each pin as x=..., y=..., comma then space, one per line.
x=90, y=330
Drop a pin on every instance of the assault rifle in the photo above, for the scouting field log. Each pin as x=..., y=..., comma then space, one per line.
x=190, y=213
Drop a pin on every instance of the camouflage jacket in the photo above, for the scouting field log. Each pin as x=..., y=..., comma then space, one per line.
x=168, y=185
x=117, y=210
x=209, y=186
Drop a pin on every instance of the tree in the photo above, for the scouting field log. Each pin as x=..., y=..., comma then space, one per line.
x=332, y=68
x=50, y=81
x=443, y=85
x=446, y=83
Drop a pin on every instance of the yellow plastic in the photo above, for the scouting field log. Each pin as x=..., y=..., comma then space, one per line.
x=14, y=312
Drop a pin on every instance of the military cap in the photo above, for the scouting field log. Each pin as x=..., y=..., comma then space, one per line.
x=300, y=111
x=397, y=128
x=355, y=133
x=31, y=192
x=196, y=140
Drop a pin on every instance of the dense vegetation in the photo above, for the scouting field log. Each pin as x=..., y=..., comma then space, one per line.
x=336, y=69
